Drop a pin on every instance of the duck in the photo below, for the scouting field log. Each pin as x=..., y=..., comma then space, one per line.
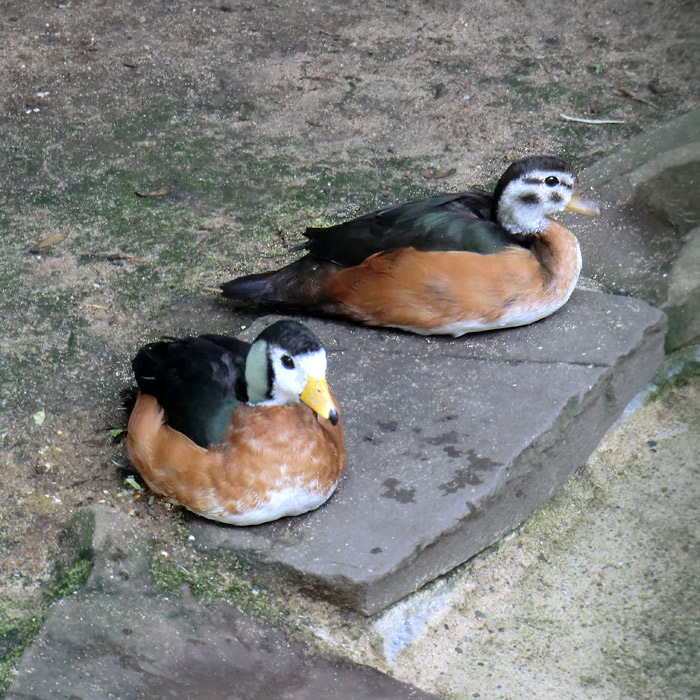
x=238, y=433
x=446, y=265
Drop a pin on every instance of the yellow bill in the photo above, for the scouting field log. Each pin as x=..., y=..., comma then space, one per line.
x=580, y=204
x=317, y=395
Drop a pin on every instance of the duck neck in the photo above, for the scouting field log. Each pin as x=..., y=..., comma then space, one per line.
x=559, y=254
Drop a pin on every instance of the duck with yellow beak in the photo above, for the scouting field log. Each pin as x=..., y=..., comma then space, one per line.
x=238, y=433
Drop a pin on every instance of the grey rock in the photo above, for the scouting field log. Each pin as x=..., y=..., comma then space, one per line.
x=646, y=242
x=451, y=443
x=120, y=638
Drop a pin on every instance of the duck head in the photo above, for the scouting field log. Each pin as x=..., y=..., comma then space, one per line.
x=533, y=188
x=286, y=364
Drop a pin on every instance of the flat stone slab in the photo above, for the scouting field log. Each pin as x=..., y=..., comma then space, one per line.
x=451, y=443
x=120, y=638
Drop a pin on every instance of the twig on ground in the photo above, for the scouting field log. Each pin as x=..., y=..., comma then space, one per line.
x=584, y=120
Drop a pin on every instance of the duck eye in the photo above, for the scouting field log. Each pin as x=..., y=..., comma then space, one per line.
x=288, y=362
x=551, y=181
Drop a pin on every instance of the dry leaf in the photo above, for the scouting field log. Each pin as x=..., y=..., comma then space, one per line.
x=117, y=257
x=438, y=174
x=53, y=239
x=155, y=193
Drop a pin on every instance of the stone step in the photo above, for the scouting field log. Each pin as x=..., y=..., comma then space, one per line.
x=119, y=637
x=451, y=444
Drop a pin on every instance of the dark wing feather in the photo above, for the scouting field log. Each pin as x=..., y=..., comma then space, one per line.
x=445, y=222
x=197, y=381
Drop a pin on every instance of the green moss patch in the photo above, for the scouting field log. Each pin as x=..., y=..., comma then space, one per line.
x=677, y=370
x=20, y=621
x=217, y=578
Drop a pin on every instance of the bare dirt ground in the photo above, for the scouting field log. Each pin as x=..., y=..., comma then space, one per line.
x=242, y=123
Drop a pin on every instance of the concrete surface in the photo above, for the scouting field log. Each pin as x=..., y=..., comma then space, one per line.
x=120, y=637
x=451, y=443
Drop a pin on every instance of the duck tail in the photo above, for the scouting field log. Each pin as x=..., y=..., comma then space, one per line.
x=253, y=288
x=304, y=285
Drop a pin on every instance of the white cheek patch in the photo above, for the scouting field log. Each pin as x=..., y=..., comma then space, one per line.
x=313, y=364
x=525, y=202
x=288, y=384
x=520, y=208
